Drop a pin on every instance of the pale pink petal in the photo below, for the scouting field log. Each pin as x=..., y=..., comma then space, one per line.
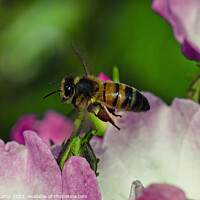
x=55, y=127
x=30, y=169
x=160, y=145
x=79, y=179
x=13, y=159
x=162, y=7
x=189, y=158
x=162, y=192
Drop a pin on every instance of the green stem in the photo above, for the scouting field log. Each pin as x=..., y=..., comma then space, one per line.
x=77, y=125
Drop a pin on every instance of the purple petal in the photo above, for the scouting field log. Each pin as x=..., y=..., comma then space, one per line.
x=79, y=179
x=190, y=51
x=103, y=77
x=26, y=122
x=29, y=170
x=162, y=192
x=55, y=127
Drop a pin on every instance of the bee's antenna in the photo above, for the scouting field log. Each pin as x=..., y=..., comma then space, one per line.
x=51, y=93
x=81, y=59
x=54, y=83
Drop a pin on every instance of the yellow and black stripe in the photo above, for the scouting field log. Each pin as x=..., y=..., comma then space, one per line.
x=122, y=96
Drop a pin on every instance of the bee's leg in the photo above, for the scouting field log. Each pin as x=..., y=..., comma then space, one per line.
x=76, y=102
x=101, y=114
x=112, y=111
x=104, y=116
x=75, y=105
x=90, y=108
x=93, y=105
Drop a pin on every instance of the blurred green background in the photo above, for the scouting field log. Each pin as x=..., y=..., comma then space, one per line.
x=35, y=49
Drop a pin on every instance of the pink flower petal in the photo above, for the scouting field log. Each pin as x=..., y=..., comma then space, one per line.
x=55, y=127
x=184, y=16
x=103, y=77
x=26, y=122
x=162, y=192
x=28, y=170
x=42, y=168
x=79, y=179
x=32, y=170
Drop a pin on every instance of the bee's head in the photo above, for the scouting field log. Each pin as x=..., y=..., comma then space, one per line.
x=67, y=89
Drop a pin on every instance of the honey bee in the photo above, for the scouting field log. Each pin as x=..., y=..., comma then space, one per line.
x=100, y=97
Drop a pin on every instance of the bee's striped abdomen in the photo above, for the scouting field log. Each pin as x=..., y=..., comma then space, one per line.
x=124, y=97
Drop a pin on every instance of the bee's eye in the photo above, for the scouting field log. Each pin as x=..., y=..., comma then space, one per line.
x=69, y=91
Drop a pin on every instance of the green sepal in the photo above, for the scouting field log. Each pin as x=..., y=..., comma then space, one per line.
x=116, y=74
x=194, y=90
x=70, y=148
x=99, y=125
x=77, y=125
x=87, y=152
x=77, y=146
